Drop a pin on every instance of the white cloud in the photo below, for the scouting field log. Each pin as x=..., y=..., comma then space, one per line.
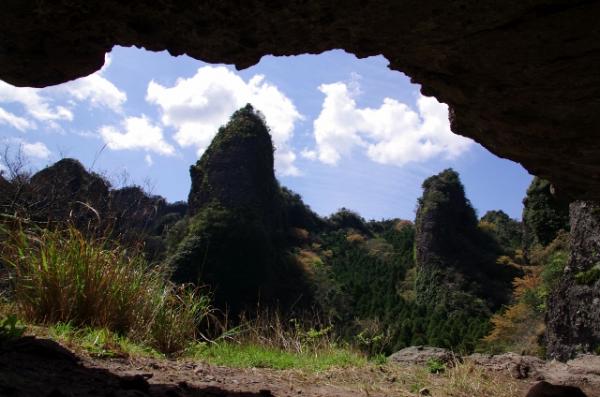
x=36, y=149
x=35, y=104
x=15, y=121
x=199, y=105
x=390, y=134
x=309, y=154
x=139, y=133
x=148, y=160
x=96, y=89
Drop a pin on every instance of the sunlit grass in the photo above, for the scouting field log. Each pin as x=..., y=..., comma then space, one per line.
x=99, y=342
x=255, y=356
x=63, y=276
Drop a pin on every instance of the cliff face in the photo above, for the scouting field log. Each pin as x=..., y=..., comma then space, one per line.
x=455, y=260
x=573, y=317
x=236, y=170
x=235, y=240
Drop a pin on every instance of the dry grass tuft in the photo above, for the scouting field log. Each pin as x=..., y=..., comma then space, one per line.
x=62, y=276
x=461, y=380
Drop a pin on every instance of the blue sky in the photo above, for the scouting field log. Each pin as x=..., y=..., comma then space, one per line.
x=348, y=132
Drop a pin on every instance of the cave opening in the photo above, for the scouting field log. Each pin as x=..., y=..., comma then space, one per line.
x=518, y=77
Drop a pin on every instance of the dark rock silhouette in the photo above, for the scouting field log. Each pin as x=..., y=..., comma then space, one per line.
x=545, y=389
x=236, y=170
x=236, y=239
x=67, y=192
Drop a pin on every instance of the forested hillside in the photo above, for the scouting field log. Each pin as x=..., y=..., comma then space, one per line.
x=446, y=279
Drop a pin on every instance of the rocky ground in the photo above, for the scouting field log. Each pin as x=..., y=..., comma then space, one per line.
x=40, y=367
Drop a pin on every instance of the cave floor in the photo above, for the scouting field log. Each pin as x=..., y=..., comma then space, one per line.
x=41, y=367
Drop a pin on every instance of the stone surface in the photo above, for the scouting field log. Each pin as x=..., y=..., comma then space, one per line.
x=420, y=355
x=520, y=76
x=573, y=318
x=583, y=370
x=518, y=366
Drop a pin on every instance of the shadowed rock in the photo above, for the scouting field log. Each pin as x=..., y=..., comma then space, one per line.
x=573, y=318
x=545, y=389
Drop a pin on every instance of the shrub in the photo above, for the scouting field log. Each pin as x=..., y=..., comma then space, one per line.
x=435, y=366
x=588, y=277
x=61, y=276
x=10, y=328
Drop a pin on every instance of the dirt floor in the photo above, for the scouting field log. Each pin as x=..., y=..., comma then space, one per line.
x=41, y=367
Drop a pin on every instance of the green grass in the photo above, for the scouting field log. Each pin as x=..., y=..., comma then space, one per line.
x=100, y=342
x=250, y=355
x=64, y=276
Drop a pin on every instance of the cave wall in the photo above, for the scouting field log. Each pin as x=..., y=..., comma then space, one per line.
x=520, y=76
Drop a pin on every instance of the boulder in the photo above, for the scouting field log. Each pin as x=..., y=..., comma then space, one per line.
x=420, y=355
x=518, y=366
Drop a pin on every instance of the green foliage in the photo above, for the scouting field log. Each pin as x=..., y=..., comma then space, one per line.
x=507, y=232
x=297, y=213
x=236, y=170
x=452, y=250
x=588, y=277
x=62, y=276
x=519, y=327
x=232, y=251
x=256, y=356
x=543, y=215
x=435, y=366
x=379, y=359
x=552, y=271
x=100, y=342
x=347, y=219
x=11, y=328
x=373, y=344
x=458, y=280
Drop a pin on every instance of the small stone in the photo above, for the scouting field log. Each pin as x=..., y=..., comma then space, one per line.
x=424, y=392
